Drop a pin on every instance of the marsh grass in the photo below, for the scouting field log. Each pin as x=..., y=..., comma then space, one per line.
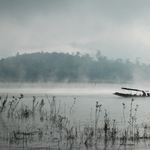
x=55, y=130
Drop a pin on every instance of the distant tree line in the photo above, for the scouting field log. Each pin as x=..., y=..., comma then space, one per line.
x=70, y=67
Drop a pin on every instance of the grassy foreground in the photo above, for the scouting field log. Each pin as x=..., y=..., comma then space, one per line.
x=33, y=127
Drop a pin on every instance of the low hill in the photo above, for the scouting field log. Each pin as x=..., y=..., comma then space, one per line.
x=66, y=67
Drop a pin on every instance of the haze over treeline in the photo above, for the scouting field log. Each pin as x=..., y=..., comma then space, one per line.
x=61, y=67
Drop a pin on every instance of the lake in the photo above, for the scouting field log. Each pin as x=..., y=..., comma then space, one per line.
x=83, y=108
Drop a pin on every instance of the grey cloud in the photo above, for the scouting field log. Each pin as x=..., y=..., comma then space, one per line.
x=118, y=10
x=117, y=28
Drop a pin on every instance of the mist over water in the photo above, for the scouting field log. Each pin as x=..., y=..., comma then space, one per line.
x=57, y=88
x=85, y=95
x=69, y=88
x=77, y=101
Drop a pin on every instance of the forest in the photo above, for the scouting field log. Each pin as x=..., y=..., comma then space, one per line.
x=65, y=67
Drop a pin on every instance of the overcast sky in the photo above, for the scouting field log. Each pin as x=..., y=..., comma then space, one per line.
x=118, y=28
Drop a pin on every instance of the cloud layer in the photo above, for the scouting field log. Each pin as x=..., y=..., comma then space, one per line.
x=120, y=29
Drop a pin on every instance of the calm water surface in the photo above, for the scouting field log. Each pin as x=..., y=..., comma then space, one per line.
x=77, y=102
